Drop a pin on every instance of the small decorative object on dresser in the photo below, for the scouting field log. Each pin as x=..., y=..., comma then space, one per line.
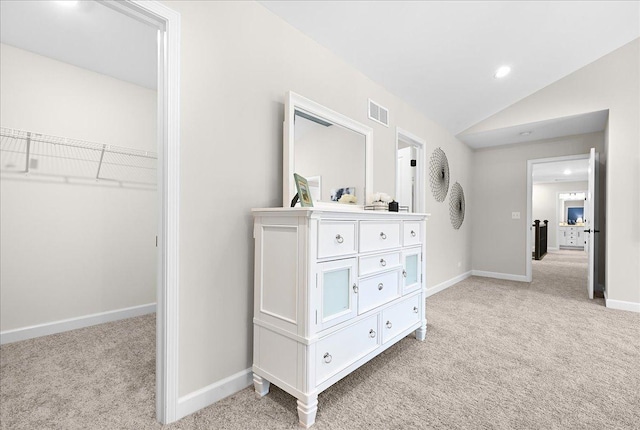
x=379, y=202
x=348, y=198
x=337, y=193
x=333, y=289
x=303, y=191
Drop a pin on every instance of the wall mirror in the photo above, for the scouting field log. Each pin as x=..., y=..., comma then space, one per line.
x=333, y=152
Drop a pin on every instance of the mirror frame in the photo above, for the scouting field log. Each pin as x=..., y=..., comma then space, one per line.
x=295, y=102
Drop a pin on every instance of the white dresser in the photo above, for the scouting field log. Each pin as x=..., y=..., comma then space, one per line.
x=571, y=236
x=333, y=289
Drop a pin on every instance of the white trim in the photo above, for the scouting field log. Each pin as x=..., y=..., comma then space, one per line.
x=61, y=326
x=496, y=275
x=168, y=94
x=420, y=145
x=210, y=394
x=529, y=221
x=446, y=284
x=622, y=305
x=553, y=248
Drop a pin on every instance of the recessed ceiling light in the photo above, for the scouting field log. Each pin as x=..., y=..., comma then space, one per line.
x=526, y=133
x=502, y=72
x=567, y=172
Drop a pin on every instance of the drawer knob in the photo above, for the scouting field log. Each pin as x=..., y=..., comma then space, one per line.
x=380, y=286
x=415, y=309
x=339, y=238
x=404, y=273
x=389, y=325
x=355, y=288
x=413, y=233
x=327, y=358
x=372, y=333
x=382, y=262
x=382, y=235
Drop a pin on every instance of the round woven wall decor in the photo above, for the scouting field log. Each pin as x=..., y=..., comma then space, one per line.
x=456, y=205
x=439, y=174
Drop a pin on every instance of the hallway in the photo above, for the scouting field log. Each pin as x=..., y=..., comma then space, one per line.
x=498, y=354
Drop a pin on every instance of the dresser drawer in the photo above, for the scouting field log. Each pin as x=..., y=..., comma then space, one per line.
x=344, y=347
x=378, y=290
x=411, y=233
x=379, y=235
x=378, y=262
x=336, y=238
x=400, y=317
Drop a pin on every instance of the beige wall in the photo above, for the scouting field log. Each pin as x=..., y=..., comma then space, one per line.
x=73, y=249
x=545, y=205
x=612, y=82
x=238, y=60
x=500, y=188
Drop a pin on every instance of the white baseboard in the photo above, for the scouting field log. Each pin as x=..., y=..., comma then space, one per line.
x=622, y=305
x=210, y=394
x=446, y=284
x=54, y=327
x=552, y=248
x=496, y=275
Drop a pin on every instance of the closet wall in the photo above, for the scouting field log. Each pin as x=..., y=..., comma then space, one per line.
x=72, y=248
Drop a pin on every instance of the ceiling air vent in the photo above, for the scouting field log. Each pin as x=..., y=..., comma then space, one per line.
x=378, y=113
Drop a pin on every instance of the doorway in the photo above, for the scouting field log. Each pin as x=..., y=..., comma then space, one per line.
x=410, y=165
x=562, y=192
x=166, y=24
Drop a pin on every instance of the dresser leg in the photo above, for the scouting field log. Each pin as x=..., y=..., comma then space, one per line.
x=261, y=385
x=421, y=333
x=307, y=411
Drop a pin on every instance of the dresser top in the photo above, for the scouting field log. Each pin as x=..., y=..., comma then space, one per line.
x=338, y=211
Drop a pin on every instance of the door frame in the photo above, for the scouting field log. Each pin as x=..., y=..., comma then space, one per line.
x=167, y=21
x=529, y=219
x=420, y=145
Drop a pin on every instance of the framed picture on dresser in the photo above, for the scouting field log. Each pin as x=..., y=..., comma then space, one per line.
x=304, y=192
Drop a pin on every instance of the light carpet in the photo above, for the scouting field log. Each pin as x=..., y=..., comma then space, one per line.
x=498, y=355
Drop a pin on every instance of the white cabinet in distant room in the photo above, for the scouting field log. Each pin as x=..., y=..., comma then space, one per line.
x=333, y=289
x=571, y=237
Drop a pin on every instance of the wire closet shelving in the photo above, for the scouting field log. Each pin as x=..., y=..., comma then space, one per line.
x=26, y=152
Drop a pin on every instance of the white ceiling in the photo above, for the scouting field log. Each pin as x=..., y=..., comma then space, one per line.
x=440, y=56
x=555, y=171
x=88, y=35
x=553, y=128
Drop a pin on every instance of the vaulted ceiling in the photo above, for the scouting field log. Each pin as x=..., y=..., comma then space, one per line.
x=439, y=56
